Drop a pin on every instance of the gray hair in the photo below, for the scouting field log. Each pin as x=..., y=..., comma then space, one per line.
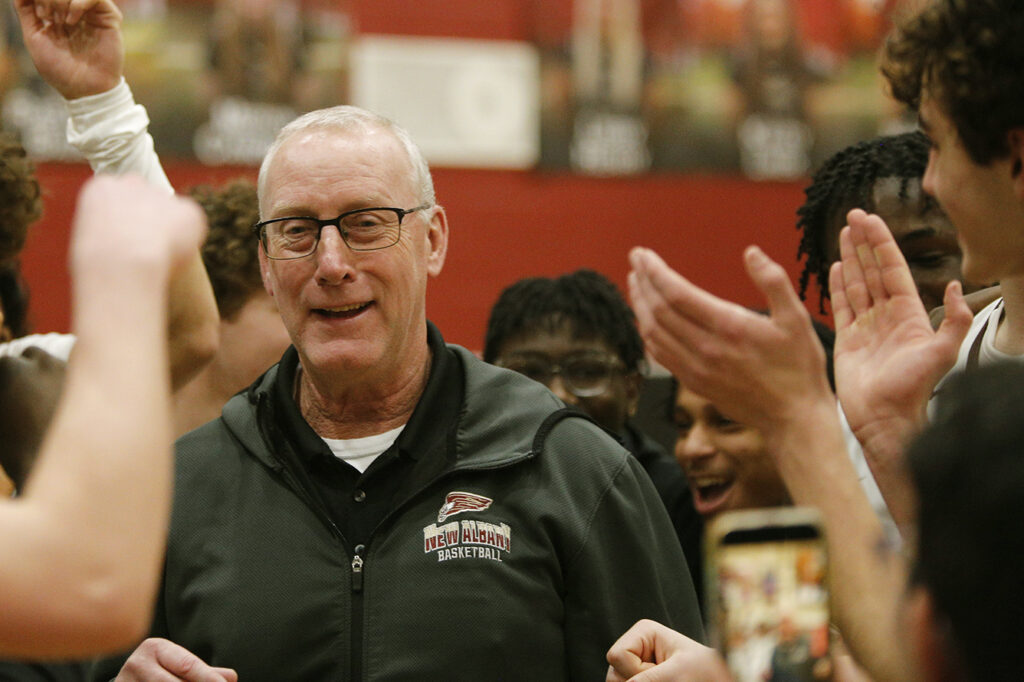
x=350, y=119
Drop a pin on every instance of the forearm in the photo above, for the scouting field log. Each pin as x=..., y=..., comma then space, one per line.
x=83, y=547
x=111, y=130
x=866, y=581
x=883, y=451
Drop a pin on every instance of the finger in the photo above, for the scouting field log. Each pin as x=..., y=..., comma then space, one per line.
x=77, y=9
x=58, y=10
x=141, y=667
x=186, y=665
x=842, y=315
x=99, y=12
x=228, y=674
x=771, y=279
x=896, y=279
x=676, y=348
x=957, y=321
x=30, y=15
x=613, y=676
x=671, y=295
x=852, y=285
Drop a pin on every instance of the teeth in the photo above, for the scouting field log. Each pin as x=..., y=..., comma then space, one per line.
x=708, y=482
x=345, y=309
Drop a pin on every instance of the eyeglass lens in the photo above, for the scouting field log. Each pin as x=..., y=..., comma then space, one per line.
x=362, y=231
x=583, y=376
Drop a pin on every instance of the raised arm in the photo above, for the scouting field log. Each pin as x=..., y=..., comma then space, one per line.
x=77, y=48
x=888, y=358
x=770, y=372
x=81, y=550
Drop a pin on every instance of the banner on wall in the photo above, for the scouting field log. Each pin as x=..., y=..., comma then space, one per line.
x=767, y=87
x=219, y=78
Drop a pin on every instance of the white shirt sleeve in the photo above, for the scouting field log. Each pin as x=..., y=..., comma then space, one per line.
x=57, y=345
x=112, y=131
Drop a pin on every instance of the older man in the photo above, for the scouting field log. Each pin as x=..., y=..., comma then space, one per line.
x=381, y=505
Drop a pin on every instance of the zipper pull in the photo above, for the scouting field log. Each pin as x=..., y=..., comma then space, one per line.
x=357, y=573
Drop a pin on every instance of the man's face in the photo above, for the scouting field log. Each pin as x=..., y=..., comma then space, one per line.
x=979, y=199
x=360, y=313
x=923, y=233
x=541, y=349
x=925, y=236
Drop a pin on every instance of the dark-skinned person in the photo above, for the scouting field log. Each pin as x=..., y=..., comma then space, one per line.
x=577, y=335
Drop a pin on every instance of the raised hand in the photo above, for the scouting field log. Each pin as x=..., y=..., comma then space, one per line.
x=761, y=370
x=75, y=44
x=888, y=358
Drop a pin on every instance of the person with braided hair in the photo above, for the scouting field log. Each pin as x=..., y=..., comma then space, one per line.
x=882, y=176
x=252, y=336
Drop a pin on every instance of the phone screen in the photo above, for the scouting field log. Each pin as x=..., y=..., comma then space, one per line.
x=773, y=604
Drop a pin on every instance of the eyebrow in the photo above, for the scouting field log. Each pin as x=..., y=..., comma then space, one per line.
x=921, y=233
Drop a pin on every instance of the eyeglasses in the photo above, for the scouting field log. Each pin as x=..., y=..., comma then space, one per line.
x=365, y=229
x=585, y=376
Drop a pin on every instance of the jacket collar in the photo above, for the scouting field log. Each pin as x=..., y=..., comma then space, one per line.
x=471, y=414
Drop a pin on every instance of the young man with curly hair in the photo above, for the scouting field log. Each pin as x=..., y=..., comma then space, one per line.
x=20, y=201
x=960, y=63
x=252, y=336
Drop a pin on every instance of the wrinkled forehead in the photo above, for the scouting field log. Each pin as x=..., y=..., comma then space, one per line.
x=317, y=153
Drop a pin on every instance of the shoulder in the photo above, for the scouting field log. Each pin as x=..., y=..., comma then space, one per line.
x=506, y=413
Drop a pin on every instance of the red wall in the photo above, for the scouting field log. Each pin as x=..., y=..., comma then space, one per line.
x=508, y=225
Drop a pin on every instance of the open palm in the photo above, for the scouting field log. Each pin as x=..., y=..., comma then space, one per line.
x=887, y=356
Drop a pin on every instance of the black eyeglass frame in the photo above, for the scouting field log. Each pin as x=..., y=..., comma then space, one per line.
x=261, y=233
x=611, y=364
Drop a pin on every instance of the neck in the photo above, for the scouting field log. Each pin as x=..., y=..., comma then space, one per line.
x=356, y=410
x=1010, y=337
x=198, y=401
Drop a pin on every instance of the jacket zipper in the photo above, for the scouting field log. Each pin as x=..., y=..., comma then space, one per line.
x=357, y=616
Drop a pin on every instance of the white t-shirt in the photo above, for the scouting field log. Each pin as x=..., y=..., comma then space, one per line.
x=360, y=452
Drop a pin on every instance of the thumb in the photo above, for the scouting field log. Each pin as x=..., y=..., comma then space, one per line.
x=771, y=279
x=958, y=317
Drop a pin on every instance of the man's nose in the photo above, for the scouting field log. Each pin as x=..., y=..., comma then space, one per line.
x=558, y=387
x=928, y=181
x=695, y=444
x=333, y=256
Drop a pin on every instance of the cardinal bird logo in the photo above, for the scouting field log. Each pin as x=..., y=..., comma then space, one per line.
x=457, y=502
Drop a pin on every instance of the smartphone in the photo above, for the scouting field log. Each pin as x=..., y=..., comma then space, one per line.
x=767, y=587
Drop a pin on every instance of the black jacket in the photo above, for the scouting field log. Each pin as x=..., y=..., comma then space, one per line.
x=515, y=544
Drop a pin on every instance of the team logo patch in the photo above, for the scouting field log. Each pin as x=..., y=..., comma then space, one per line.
x=468, y=538
x=457, y=502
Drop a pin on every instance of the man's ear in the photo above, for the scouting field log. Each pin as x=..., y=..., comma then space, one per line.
x=437, y=239
x=265, y=272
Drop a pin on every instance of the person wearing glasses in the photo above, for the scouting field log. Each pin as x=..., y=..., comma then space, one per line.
x=382, y=505
x=577, y=335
